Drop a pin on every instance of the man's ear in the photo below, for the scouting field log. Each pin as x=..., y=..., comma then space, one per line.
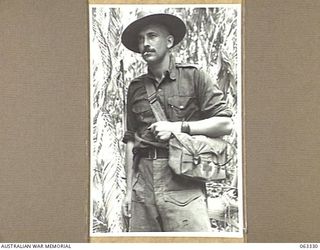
x=170, y=41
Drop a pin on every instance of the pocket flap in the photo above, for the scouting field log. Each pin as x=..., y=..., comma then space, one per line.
x=141, y=106
x=183, y=197
x=179, y=102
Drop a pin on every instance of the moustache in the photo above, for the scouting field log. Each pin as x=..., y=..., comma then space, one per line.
x=148, y=50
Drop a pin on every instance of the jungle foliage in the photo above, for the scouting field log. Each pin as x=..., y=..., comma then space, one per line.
x=212, y=42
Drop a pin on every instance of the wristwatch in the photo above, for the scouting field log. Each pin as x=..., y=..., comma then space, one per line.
x=185, y=128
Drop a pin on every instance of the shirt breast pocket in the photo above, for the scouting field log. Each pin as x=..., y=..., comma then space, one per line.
x=182, y=107
x=142, y=110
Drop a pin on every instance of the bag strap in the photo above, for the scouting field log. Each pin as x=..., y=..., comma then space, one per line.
x=154, y=103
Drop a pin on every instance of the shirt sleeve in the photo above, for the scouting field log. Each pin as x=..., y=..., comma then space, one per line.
x=211, y=98
x=131, y=122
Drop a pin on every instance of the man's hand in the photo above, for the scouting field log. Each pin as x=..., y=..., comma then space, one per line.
x=126, y=205
x=163, y=129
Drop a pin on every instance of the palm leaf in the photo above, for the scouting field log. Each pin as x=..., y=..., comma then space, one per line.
x=210, y=29
x=109, y=171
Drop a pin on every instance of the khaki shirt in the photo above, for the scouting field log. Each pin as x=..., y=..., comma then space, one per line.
x=186, y=93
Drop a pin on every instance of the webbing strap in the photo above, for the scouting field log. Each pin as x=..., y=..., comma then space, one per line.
x=154, y=103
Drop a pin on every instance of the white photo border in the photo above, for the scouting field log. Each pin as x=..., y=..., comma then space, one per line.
x=238, y=124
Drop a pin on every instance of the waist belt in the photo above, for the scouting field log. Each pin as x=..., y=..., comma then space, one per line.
x=153, y=153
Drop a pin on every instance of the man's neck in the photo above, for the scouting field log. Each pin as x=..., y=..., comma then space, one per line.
x=159, y=69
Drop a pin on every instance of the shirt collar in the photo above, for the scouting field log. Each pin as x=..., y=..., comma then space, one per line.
x=171, y=72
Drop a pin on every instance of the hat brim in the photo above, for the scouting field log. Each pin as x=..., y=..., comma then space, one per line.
x=175, y=26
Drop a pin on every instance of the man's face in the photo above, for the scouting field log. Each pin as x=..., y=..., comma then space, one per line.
x=154, y=43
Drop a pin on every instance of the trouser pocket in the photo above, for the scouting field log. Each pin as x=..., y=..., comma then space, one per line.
x=185, y=211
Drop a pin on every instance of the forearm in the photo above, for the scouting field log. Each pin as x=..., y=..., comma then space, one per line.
x=212, y=127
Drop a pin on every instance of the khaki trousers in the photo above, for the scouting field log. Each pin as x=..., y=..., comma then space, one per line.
x=165, y=202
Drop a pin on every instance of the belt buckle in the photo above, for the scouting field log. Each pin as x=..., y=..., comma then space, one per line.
x=155, y=154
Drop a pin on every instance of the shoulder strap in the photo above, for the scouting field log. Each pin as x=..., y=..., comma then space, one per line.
x=154, y=103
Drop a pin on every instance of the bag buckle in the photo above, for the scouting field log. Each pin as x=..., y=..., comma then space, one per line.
x=196, y=160
x=153, y=154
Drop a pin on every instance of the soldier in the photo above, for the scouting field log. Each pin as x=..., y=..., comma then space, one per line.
x=157, y=200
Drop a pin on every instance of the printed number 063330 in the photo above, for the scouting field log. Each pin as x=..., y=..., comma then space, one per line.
x=309, y=245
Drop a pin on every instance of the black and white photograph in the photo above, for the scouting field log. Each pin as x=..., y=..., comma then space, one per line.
x=166, y=120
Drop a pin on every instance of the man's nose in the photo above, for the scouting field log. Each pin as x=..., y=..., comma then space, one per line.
x=146, y=43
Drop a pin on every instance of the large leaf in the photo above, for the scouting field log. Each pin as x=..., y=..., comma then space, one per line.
x=211, y=42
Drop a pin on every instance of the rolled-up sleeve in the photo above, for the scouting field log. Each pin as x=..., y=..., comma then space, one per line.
x=211, y=98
